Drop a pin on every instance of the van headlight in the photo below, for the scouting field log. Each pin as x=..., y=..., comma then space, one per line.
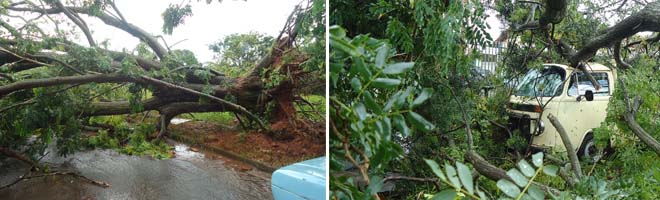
x=540, y=127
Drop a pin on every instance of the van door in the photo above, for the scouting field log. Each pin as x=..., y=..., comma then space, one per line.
x=576, y=114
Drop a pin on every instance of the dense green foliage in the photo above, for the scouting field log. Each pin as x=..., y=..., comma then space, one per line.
x=366, y=106
x=436, y=36
x=174, y=16
x=237, y=53
x=373, y=159
x=459, y=178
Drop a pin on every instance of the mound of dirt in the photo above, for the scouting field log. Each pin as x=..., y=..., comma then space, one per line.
x=308, y=142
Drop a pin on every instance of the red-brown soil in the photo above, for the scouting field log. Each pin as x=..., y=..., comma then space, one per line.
x=308, y=142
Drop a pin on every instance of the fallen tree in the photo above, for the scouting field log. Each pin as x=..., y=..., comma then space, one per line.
x=44, y=70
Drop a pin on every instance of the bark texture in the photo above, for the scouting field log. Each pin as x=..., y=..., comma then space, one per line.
x=575, y=162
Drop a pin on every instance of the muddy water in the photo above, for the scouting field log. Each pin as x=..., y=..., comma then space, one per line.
x=190, y=175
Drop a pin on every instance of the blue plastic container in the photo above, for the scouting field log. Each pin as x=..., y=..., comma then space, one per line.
x=303, y=180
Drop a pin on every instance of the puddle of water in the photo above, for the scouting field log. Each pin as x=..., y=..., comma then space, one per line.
x=189, y=175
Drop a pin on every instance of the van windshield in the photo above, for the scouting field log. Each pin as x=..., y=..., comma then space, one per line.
x=544, y=82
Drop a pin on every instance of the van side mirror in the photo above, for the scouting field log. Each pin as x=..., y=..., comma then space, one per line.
x=589, y=95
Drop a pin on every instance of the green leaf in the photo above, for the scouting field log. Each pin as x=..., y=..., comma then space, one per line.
x=361, y=111
x=362, y=69
x=371, y=103
x=436, y=169
x=419, y=122
x=336, y=67
x=404, y=95
x=342, y=45
x=517, y=177
x=375, y=185
x=535, y=192
x=391, y=102
x=550, y=170
x=382, y=153
x=337, y=31
x=426, y=93
x=525, y=168
x=482, y=195
x=445, y=195
x=356, y=84
x=387, y=127
x=537, y=159
x=398, y=68
x=526, y=197
x=465, y=175
x=386, y=83
x=451, y=175
x=400, y=123
x=509, y=188
x=333, y=78
x=381, y=56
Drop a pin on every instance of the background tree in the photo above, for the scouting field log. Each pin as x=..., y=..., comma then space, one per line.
x=236, y=53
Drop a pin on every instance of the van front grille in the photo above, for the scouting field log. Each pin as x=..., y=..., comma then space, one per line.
x=521, y=123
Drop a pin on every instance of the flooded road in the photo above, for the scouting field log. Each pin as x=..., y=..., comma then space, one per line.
x=189, y=175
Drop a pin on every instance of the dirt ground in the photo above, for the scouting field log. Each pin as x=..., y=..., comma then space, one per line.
x=308, y=142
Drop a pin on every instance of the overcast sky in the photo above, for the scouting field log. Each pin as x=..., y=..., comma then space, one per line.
x=209, y=22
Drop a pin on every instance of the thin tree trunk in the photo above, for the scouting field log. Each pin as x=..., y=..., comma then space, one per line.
x=572, y=155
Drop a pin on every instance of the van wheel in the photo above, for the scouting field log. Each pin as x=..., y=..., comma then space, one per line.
x=588, y=151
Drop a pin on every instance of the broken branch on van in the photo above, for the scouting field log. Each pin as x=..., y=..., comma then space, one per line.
x=572, y=155
x=630, y=115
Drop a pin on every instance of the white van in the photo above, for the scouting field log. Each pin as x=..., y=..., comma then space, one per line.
x=567, y=94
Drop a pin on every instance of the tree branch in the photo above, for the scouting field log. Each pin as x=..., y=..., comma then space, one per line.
x=78, y=21
x=647, y=19
x=650, y=40
x=575, y=163
x=629, y=116
x=11, y=153
x=617, y=57
x=135, y=31
x=494, y=173
x=46, y=82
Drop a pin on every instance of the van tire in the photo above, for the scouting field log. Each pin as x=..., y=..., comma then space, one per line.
x=588, y=150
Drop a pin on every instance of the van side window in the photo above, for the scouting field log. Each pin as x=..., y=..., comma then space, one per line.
x=584, y=84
